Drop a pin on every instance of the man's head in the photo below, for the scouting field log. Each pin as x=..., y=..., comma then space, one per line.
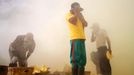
x=28, y=37
x=28, y=40
x=95, y=27
x=76, y=7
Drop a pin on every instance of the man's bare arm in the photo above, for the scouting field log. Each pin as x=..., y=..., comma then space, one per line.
x=109, y=44
x=73, y=20
x=81, y=17
x=93, y=37
x=31, y=50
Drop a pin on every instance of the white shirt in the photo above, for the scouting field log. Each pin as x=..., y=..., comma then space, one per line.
x=101, y=38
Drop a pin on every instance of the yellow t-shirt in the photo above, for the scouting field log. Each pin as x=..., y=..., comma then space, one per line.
x=76, y=31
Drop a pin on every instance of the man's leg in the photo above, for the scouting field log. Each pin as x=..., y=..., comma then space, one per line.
x=13, y=62
x=73, y=58
x=95, y=60
x=81, y=71
x=105, y=66
x=82, y=57
x=75, y=70
x=13, y=57
x=22, y=62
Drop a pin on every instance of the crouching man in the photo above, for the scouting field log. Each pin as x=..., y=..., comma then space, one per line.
x=20, y=50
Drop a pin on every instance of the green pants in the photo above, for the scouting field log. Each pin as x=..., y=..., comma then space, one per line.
x=78, y=53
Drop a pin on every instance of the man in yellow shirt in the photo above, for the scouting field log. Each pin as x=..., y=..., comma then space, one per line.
x=76, y=24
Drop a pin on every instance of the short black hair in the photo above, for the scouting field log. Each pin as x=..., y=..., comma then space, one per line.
x=74, y=3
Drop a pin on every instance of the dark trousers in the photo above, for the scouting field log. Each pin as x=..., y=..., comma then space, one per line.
x=104, y=63
x=78, y=56
x=78, y=71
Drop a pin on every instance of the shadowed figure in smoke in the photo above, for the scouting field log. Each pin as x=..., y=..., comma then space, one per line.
x=103, y=45
x=20, y=50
